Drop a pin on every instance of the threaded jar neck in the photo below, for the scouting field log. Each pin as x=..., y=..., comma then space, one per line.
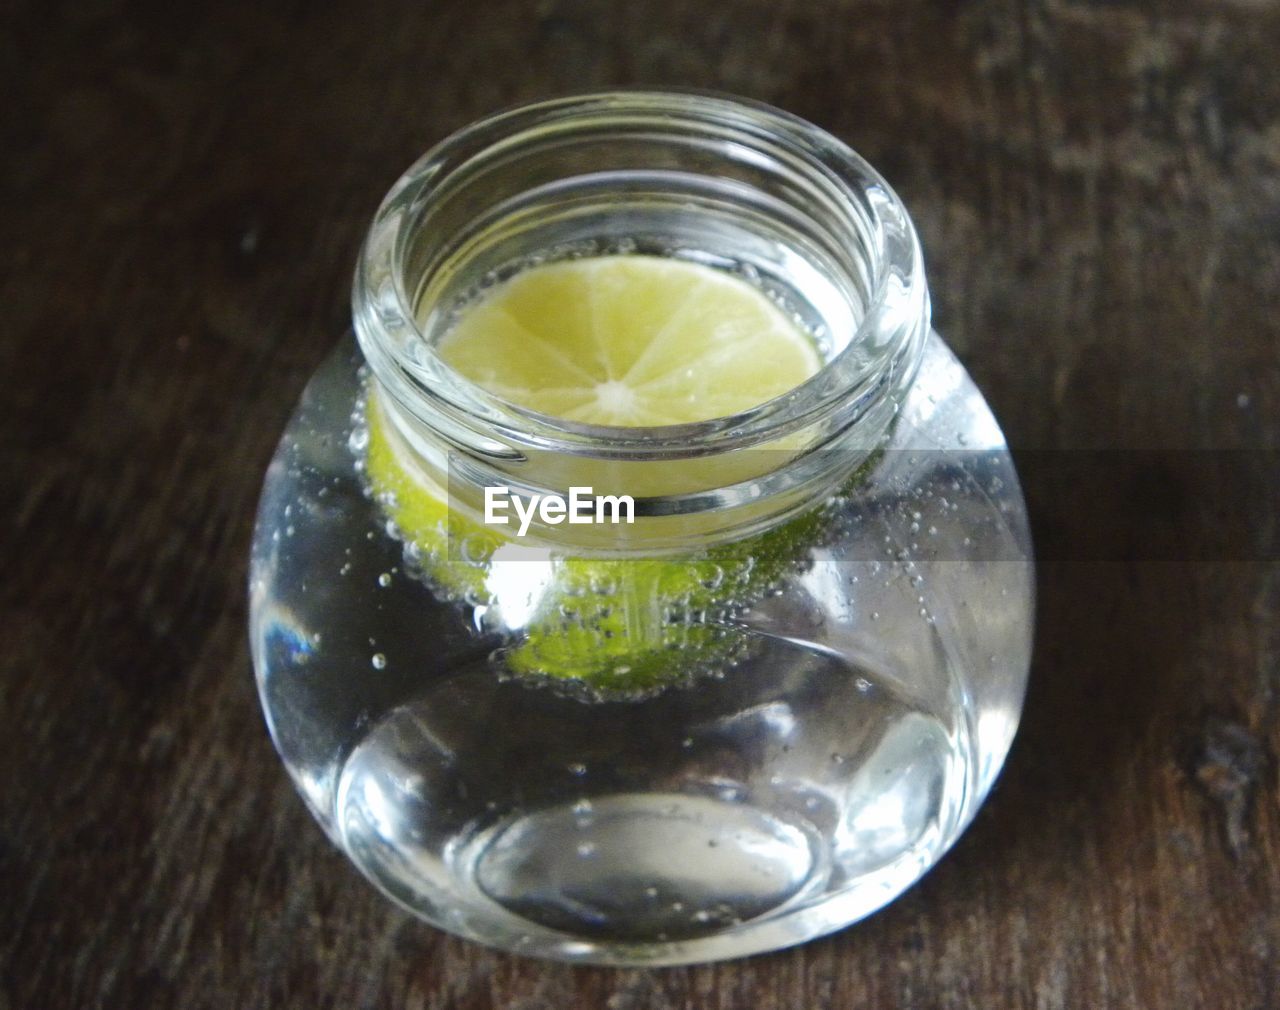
x=718, y=181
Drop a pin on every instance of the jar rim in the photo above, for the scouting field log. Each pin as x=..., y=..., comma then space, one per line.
x=850, y=383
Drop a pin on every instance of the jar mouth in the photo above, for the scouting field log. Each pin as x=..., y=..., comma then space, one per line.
x=486, y=182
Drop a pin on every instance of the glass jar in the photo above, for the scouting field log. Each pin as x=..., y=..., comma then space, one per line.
x=830, y=595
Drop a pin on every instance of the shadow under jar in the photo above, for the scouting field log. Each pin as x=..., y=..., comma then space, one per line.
x=843, y=623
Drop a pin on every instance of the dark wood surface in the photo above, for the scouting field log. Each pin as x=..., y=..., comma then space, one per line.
x=184, y=188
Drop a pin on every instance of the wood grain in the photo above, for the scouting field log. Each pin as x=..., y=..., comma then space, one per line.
x=184, y=188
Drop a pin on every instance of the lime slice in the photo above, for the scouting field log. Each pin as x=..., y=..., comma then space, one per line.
x=628, y=341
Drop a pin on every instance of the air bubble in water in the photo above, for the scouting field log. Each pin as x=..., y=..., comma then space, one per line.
x=472, y=549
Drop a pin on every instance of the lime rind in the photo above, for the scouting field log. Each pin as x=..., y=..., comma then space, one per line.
x=418, y=507
x=626, y=624
x=656, y=620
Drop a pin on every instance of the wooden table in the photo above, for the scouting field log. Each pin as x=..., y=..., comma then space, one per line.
x=1098, y=192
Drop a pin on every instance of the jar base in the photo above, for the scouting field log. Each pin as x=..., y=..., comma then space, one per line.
x=646, y=866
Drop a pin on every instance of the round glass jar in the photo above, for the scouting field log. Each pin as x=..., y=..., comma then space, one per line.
x=753, y=716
